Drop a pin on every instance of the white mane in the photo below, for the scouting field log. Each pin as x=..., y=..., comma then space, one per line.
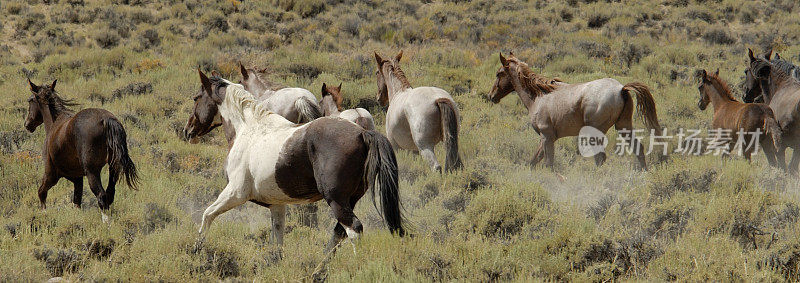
x=242, y=105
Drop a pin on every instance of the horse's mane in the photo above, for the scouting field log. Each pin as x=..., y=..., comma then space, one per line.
x=721, y=86
x=241, y=100
x=780, y=70
x=401, y=76
x=58, y=105
x=787, y=67
x=535, y=83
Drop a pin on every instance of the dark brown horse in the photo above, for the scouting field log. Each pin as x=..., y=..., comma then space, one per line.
x=782, y=93
x=78, y=145
x=735, y=116
x=274, y=162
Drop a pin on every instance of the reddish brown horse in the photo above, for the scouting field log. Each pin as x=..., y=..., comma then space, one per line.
x=78, y=145
x=735, y=116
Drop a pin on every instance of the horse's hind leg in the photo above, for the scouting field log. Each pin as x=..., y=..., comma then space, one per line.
x=769, y=153
x=48, y=181
x=96, y=185
x=345, y=216
x=77, y=194
x=625, y=129
x=278, y=214
x=538, y=155
x=426, y=151
x=113, y=176
x=229, y=198
x=795, y=161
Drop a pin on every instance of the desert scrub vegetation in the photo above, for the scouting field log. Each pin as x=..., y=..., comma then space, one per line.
x=688, y=218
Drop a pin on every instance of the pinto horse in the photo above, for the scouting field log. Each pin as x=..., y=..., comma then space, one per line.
x=781, y=92
x=78, y=145
x=736, y=116
x=417, y=118
x=274, y=162
x=332, y=106
x=295, y=104
x=558, y=109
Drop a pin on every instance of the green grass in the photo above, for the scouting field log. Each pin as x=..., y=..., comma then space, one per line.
x=688, y=218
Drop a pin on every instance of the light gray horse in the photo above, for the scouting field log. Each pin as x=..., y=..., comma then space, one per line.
x=417, y=118
x=332, y=105
x=295, y=104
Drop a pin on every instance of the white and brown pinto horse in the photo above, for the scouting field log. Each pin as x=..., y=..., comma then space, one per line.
x=558, y=109
x=274, y=162
x=417, y=118
x=295, y=104
x=332, y=106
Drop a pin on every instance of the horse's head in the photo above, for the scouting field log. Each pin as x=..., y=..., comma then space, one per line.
x=250, y=79
x=705, y=88
x=205, y=116
x=334, y=92
x=502, y=84
x=757, y=75
x=36, y=102
x=385, y=66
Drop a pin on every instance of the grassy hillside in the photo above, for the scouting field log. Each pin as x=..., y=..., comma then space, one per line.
x=688, y=218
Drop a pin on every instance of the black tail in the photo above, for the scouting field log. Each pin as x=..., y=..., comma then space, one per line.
x=382, y=164
x=119, y=158
x=449, y=133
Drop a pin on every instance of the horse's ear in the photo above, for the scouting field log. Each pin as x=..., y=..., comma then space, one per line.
x=205, y=81
x=511, y=54
x=53, y=85
x=34, y=87
x=324, y=90
x=750, y=54
x=399, y=55
x=378, y=58
x=777, y=56
x=243, y=70
x=768, y=54
x=339, y=88
x=214, y=73
x=503, y=61
x=717, y=72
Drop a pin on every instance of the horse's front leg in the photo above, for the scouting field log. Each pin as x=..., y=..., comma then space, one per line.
x=48, y=181
x=278, y=213
x=232, y=196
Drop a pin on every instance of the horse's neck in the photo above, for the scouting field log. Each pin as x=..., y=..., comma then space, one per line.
x=395, y=86
x=230, y=132
x=718, y=101
x=49, y=119
x=329, y=106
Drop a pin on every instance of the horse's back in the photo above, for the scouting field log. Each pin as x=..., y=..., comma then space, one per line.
x=282, y=101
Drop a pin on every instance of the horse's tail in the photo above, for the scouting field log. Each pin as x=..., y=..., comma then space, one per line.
x=382, y=164
x=773, y=129
x=645, y=105
x=447, y=110
x=118, y=151
x=307, y=109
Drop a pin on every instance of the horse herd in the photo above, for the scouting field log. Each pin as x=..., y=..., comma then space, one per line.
x=285, y=147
